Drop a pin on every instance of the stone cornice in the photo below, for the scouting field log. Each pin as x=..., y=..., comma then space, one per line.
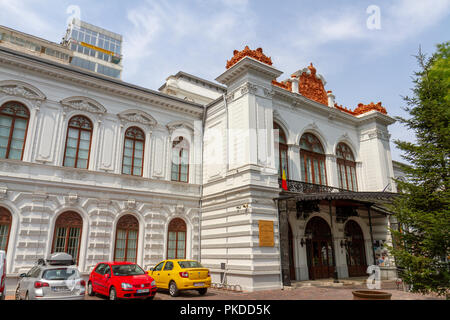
x=244, y=65
x=91, y=80
x=81, y=179
x=296, y=100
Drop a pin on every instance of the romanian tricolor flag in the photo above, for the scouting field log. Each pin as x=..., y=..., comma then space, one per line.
x=283, y=181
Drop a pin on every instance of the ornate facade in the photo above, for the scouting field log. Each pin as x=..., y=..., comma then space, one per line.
x=108, y=170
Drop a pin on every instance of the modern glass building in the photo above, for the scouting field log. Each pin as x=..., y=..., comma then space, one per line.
x=94, y=48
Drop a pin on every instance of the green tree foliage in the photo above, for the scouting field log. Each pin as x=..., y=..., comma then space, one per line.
x=422, y=247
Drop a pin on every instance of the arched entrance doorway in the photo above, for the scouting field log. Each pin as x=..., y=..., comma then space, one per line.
x=355, y=252
x=291, y=254
x=319, y=249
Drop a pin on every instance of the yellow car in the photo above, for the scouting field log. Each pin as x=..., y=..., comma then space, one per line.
x=181, y=274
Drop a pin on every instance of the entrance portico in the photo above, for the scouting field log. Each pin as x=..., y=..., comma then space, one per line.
x=330, y=232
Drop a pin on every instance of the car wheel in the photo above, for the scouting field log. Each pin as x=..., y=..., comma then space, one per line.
x=27, y=297
x=112, y=294
x=90, y=289
x=150, y=297
x=173, y=289
x=17, y=294
x=202, y=291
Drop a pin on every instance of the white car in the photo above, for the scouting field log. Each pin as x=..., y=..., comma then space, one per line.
x=56, y=278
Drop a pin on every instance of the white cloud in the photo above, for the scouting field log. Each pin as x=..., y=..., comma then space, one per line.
x=193, y=34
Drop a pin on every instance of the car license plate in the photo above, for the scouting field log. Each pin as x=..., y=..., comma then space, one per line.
x=199, y=284
x=142, y=290
x=59, y=289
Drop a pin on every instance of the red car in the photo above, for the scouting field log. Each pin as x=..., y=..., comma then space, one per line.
x=121, y=280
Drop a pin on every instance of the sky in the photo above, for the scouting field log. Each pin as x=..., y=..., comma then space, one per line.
x=364, y=49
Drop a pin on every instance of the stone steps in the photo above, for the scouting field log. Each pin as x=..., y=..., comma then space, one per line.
x=330, y=283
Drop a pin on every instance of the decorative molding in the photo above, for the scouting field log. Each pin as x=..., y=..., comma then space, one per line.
x=268, y=92
x=138, y=116
x=374, y=134
x=83, y=104
x=249, y=88
x=174, y=125
x=21, y=89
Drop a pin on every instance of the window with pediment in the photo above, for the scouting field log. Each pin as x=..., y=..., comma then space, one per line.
x=14, y=118
x=126, y=244
x=180, y=160
x=5, y=228
x=281, y=161
x=346, y=167
x=133, y=151
x=78, y=142
x=312, y=160
x=176, y=240
x=67, y=234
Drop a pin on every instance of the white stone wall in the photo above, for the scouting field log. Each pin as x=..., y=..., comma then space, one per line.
x=38, y=189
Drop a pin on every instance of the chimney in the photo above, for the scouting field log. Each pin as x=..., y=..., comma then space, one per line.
x=330, y=99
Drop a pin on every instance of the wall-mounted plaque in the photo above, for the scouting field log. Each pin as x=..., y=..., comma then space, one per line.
x=266, y=238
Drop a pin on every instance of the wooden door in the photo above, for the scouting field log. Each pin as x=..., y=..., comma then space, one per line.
x=355, y=251
x=319, y=249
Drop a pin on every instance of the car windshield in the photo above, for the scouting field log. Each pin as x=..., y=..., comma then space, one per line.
x=189, y=264
x=127, y=270
x=60, y=274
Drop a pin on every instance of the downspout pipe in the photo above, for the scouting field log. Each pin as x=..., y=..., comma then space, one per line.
x=201, y=187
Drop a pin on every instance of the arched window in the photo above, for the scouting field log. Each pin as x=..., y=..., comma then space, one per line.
x=312, y=160
x=282, y=152
x=346, y=167
x=5, y=228
x=133, y=151
x=176, y=240
x=67, y=235
x=180, y=160
x=78, y=142
x=126, y=243
x=14, y=118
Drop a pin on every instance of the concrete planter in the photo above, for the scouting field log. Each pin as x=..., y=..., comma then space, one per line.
x=371, y=295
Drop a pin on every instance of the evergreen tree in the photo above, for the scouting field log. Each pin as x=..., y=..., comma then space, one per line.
x=422, y=241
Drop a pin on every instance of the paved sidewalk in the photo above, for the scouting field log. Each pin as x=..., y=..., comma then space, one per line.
x=302, y=293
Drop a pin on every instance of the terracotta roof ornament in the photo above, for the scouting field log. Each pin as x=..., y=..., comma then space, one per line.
x=287, y=85
x=247, y=52
x=311, y=87
x=363, y=108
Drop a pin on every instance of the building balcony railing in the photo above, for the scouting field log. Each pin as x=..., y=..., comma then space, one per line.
x=305, y=187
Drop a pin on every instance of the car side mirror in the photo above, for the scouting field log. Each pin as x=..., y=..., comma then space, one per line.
x=106, y=275
x=22, y=275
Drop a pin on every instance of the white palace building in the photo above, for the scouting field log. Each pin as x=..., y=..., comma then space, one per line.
x=107, y=170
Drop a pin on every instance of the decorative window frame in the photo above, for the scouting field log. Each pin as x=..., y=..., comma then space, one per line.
x=32, y=98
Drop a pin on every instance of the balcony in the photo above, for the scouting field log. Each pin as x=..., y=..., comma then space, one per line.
x=305, y=187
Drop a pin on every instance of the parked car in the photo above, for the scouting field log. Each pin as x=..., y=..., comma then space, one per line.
x=56, y=278
x=2, y=274
x=119, y=280
x=181, y=274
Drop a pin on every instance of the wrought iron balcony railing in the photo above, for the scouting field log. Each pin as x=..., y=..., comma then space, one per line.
x=305, y=187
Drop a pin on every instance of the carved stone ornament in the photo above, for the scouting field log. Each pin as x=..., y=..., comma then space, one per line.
x=249, y=88
x=131, y=204
x=21, y=89
x=137, y=116
x=83, y=104
x=247, y=52
x=172, y=126
x=268, y=92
